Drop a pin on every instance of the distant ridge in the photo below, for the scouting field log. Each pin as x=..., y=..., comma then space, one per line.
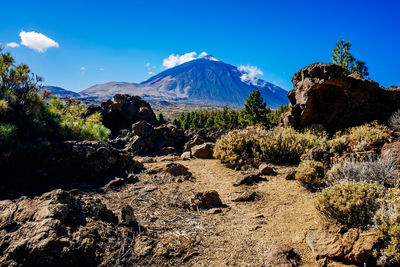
x=60, y=92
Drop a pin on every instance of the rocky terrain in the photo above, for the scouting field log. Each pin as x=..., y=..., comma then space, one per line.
x=155, y=195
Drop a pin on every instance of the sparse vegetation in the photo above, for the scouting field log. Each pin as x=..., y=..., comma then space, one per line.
x=351, y=203
x=253, y=145
x=311, y=174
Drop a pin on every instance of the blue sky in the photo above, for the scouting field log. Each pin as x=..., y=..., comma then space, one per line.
x=101, y=41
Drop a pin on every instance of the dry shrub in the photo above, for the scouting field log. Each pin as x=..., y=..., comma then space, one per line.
x=394, y=121
x=380, y=170
x=311, y=174
x=367, y=136
x=351, y=203
x=251, y=146
x=387, y=222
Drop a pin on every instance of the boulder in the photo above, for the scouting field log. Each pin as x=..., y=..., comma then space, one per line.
x=204, y=151
x=247, y=179
x=246, y=197
x=61, y=228
x=186, y=155
x=124, y=110
x=353, y=246
x=205, y=200
x=265, y=169
x=282, y=256
x=290, y=174
x=177, y=169
x=323, y=95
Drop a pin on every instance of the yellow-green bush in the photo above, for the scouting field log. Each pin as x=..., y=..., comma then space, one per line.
x=75, y=122
x=311, y=173
x=387, y=220
x=351, y=203
x=367, y=136
x=251, y=146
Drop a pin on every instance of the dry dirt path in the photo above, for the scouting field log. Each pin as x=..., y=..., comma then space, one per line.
x=244, y=232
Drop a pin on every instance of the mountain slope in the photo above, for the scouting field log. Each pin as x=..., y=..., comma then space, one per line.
x=205, y=81
x=58, y=91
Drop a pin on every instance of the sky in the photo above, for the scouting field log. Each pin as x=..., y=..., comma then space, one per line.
x=77, y=44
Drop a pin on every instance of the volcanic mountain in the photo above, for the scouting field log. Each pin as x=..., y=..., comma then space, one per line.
x=205, y=81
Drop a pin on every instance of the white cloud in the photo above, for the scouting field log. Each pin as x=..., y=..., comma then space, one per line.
x=83, y=68
x=101, y=69
x=148, y=64
x=203, y=54
x=13, y=45
x=175, y=60
x=37, y=41
x=150, y=72
x=249, y=74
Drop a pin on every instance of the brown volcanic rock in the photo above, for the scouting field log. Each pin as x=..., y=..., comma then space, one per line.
x=124, y=110
x=60, y=228
x=322, y=94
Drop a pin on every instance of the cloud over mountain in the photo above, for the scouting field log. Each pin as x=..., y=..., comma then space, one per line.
x=249, y=74
x=175, y=60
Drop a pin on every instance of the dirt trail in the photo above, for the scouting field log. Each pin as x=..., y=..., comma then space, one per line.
x=243, y=233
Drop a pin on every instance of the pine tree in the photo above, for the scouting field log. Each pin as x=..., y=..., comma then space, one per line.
x=160, y=118
x=343, y=57
x=254, y=110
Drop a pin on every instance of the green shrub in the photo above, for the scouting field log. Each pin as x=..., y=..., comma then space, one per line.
x=253, y=145
x=311, y=173
x=275, y=115
x=352, y=204
x=75, y=122
x=7, y=131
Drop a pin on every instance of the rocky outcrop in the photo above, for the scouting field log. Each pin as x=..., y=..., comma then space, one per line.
x=63, y=228
x=322, y=94
x=66, y=165
x=124, y=110
x=145, y=139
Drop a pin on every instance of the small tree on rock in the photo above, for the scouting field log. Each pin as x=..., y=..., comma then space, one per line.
x=343, y=57
x=254, y=110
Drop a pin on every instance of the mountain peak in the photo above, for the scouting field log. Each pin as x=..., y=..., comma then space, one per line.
x=205, y=80
x=209, y=57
